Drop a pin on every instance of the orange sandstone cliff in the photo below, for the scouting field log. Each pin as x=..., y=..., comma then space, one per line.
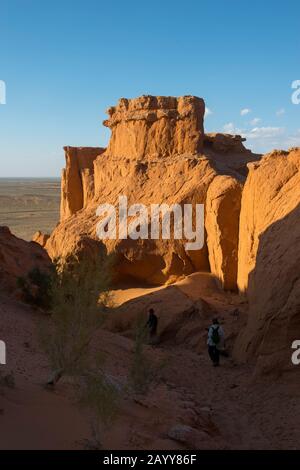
x=153, y=127
x=269, y=260
x=17, y=258
x=158, y=153
x=77, y=187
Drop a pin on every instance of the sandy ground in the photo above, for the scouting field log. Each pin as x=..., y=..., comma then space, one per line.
x=223, y=406
x=28, y=205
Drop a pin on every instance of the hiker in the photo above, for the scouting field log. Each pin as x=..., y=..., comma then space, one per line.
x=215, y=342
x=152, y=324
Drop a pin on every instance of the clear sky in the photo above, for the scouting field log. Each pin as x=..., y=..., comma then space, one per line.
x=64, y=62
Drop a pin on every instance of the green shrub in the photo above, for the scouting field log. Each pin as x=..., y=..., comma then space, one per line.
x=36, y=288
x=141, y=370
x=101, y=397
x=79, y=298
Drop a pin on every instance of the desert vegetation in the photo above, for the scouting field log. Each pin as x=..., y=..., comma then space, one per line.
x=79, y=293
x=79, y=300
x=36, y=287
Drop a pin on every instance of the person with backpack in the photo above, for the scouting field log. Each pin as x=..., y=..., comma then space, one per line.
x=215, y=341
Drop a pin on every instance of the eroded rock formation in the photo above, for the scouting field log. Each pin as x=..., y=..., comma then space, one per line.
x=156, y=126
x=269, y=260
x=223, y=205
x=77, y=187
x=157, y=153
x=18, y=258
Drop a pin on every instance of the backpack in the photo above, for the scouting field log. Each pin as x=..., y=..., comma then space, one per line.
x=215, y=337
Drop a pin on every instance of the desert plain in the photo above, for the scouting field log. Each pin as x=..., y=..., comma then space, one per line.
x=28, y=205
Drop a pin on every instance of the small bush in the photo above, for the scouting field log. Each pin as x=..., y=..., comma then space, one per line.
x=79, y=296
x=101, y=397
x=36, y=288
x=141, y=372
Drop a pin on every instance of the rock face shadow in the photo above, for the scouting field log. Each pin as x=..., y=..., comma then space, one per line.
x=274, y=298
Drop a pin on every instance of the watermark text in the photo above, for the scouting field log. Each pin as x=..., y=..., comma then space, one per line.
x=157, y=221
x=2, y=92
x=296, y=354
x=296, y=94
x=2, y=353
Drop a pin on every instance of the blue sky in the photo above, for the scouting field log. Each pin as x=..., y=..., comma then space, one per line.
x=65, y=62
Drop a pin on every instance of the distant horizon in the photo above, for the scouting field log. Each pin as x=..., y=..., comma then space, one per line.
x=30, y=177
x=58, y=177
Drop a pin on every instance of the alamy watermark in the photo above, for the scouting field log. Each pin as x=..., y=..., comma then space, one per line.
x=296, y=93
x=157, y=221
x=2, y=92
x=296, y=354
x=2, y=353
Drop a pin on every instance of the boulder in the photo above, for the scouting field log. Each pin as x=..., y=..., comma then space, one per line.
x=41, y=238
x=192, y=438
